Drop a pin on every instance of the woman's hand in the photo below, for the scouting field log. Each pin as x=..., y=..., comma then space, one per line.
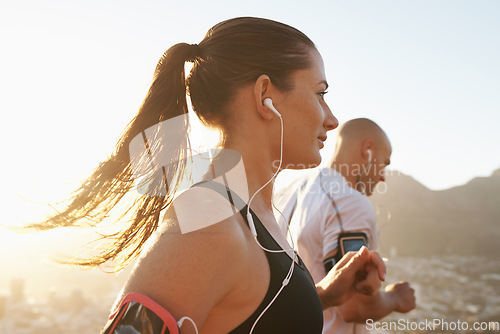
x=357, y=272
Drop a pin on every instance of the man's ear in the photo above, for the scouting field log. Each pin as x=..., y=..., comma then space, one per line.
x=367, y=145
x=262, y=90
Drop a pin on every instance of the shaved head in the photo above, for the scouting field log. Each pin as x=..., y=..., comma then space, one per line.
x=362, y=151
x=357, y=130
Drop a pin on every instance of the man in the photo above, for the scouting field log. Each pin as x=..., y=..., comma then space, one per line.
x=329, y=207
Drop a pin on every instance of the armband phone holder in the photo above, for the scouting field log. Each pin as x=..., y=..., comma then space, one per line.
x=346, y=242
x=138, y=313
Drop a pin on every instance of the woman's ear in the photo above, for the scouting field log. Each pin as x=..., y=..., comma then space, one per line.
x=262, y=90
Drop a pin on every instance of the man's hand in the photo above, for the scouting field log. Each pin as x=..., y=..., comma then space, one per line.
x=405, y=295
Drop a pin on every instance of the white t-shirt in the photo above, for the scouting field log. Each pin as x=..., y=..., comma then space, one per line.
x=315, y=226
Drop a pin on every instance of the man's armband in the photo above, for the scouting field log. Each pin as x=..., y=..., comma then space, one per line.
x=346, y=242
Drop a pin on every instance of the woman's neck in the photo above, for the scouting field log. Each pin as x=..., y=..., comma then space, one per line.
x=259, y=171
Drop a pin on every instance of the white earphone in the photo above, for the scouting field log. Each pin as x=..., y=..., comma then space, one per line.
x=369, y=155
x=269, y=103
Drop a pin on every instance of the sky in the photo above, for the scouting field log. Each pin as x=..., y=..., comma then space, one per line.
x=73, y=73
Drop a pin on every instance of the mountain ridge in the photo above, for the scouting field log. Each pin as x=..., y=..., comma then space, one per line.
x=462, y=220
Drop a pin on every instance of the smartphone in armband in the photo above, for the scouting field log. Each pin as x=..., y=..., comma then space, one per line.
x=346, y=242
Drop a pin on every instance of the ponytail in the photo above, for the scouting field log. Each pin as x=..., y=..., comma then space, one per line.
x=112, y=182
x=232, y=54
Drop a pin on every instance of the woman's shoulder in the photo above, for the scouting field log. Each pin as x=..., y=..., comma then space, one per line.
x=209, y=222
x=178, y=269
x=207, y=235
x=199, y=223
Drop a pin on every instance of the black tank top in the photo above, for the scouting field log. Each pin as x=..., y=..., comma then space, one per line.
x=298, y=307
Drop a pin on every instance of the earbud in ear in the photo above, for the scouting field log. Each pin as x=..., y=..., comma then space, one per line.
x=369, y=155
x=269, y=103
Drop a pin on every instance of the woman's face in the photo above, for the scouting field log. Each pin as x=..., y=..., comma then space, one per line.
x=306, y=116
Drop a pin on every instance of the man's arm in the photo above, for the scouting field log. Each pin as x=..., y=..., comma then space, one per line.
x=397, y=297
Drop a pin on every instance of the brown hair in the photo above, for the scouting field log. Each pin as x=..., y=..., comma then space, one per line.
x=233, y=53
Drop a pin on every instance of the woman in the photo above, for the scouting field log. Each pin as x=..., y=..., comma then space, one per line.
x=217, y=274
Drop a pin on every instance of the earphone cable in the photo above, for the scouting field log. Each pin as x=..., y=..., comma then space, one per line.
x=254, y=232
